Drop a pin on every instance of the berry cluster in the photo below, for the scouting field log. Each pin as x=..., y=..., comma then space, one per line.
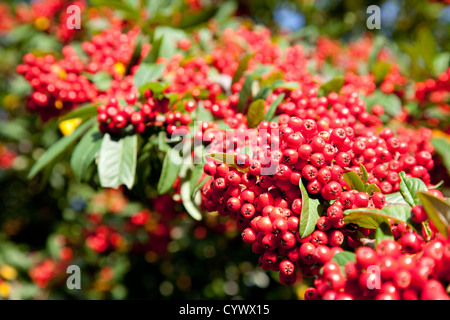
x=6, y=19
x=434, y=90
x=261, y=192
x=58, y=86
x=394, y=81
x=386, y=273
x=110, y=51
x=116, y=118
x=188, y=76
x=7, y=157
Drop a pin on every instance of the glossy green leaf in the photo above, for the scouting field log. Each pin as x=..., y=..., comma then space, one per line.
x=383, y=232
x=102, y=80
x=255, y=113
x=273, y=107
x=171, y=168
x=188, y=203
x=372, y=218
x=59, y=147
x=371, y=188
x=395, y=197
x=309, y=214
x=245, y=94
x=83, y=112
x=117, y=161
x=334, y=85
x=354, y=181
x=242, y=67
x=85, y=152
x=437, y=210
x=263, y=92
x=195, y=175
x=364, y=174
x=409, y=187
x=146, y=73
x=442, y=147
x=380, y=70
x=154, y=87
x=390, y=102
x=344, y=257
x=289, y=85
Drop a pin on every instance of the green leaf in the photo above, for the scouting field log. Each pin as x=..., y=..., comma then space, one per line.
x=189, y=205
x=229, y=159
x=344, y=257
x=354, y=181
x=437, y=210
x=169, y=37
x=364, y=217
x=242, y=67
x=136, y=56
x=255, y=113
x=380, y=70
x=14, y=129
x=261, y=70
x=146, y=73
x=53, y=246
x=263, y=93
x=364, y=174
x=121, y=6
x=197, y=18
x=154, y=87
x=383, y=232
x=309, y=214
x=169, y=172
x=102, y=80
x=84, y=112
x=281, y=84
x=399, y=212
x=203, y=114
x=225, y=11
x=371, y=188
x=427, y=232
x=372, y=218
x=378, y=43
x=273, y=107
x=59, y=147
x=427, y=45
x=117, y=161
x=154, y=53
x=395, y=198
x=390, y=102
x=333, y=85
x=200, y=185
x=440, y=63
x=442, y=147
x=196, y=174
x=85, y=152
x=245, y=94
x=409, y=188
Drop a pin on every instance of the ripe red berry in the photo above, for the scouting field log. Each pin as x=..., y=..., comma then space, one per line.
x=362, y=199
x=418, y=214
x=331, y=190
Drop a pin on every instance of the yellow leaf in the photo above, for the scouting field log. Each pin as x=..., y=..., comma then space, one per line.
x=119, y=68
x=5, y=288
x=68, y=126
x=7, y=272
x=42, y=23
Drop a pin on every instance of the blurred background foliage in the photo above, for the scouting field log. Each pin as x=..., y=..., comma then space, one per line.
x=194, y=260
